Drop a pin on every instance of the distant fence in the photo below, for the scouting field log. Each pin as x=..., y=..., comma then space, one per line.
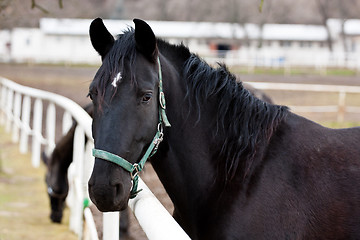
x=287, y=60
x=17, y=102
x=341, y=108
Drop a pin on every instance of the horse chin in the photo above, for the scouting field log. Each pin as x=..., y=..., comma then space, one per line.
x=107, y=203
x=110, y=195
x=119, y=206
x=56, y=217
x=57, y=208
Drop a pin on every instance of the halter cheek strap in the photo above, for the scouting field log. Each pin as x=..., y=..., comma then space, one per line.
x=135, y=168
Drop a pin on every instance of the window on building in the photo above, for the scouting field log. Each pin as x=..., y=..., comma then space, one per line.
x=285, y=44
x=222, y=49
x=305, y=44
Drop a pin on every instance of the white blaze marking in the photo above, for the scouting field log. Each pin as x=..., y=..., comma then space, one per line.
x=116, y=79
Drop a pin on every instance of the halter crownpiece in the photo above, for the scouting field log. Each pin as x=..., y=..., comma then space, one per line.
x=135, y=168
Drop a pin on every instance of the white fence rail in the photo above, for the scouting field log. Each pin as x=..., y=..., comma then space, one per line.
x=16, y=104
x=285, y=58
x=340, y=108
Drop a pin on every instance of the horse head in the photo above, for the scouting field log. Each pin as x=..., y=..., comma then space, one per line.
x=125, y=94
x=57, y=185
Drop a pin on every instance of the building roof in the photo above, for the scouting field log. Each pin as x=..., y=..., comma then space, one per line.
x=292, y=32
x=352, y=27
x=166, y=29
x=183, y=30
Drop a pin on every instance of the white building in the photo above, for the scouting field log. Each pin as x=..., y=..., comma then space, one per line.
x=67, y=41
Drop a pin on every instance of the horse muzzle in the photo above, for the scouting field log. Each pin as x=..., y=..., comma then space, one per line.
x=108, y=197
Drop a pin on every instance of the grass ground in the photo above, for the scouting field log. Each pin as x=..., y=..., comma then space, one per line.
x=24, y=205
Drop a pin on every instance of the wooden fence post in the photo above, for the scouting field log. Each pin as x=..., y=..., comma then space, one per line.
x=17, y=121
x=66, y=122
x=37, y=129
x=25, y=126
x=9, y=109
x=50, y=128
x=341, y=106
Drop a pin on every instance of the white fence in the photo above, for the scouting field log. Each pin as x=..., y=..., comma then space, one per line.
x=340, y=108
x=287, y=59
x=16, y=103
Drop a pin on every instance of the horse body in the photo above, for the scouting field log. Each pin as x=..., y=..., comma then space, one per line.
x=234, y=166
x=307, y=190
x=303, y=184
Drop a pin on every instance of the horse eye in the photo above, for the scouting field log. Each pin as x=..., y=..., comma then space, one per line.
x=146, y=97
x=90, y=96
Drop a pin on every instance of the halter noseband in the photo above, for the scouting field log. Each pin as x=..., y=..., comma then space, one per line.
x=135, y=168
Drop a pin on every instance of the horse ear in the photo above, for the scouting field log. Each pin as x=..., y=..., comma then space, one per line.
x=100, y=37
x=145, y=39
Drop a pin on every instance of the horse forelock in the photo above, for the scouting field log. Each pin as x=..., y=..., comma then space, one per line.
x=121, y=56
x=243, y=120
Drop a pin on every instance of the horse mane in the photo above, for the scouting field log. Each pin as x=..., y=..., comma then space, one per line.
x=243, y=120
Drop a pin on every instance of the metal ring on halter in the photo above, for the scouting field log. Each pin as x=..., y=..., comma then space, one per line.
x=158, y=140
x=135, y=172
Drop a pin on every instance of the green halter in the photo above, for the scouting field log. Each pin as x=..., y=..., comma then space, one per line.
x=135, y=168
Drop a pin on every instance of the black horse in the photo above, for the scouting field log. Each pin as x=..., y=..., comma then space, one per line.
x=57, y=179
x=234, y=166
x=57, y=164
x=56, y=174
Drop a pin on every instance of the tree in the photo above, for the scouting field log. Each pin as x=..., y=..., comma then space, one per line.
x=324, y=10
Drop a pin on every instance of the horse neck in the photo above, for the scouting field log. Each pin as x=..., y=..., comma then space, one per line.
x=61, y=159
x=195, y=162
x=184, y=160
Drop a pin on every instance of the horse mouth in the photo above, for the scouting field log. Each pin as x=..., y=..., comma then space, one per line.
x=112, y=207
x=111, y=200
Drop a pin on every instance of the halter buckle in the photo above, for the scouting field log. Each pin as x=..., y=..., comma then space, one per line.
x=135, y=172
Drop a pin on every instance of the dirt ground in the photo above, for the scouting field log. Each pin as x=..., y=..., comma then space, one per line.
x=24, y=204
x=73, y=83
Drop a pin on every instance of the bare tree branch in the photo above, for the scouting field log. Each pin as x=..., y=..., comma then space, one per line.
x=35, y=5
x=324, y=13
x=261, y=5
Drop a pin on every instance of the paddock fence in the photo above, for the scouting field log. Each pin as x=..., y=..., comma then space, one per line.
x=21, y=112
x=340, y=109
